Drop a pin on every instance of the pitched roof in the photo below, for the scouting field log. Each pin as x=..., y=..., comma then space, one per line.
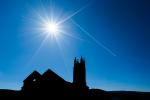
x=32, y=76
x=49, y=74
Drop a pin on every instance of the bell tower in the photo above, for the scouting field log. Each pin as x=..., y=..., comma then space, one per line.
x=79, y=73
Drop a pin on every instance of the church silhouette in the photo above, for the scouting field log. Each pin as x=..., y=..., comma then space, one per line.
x=49, y=83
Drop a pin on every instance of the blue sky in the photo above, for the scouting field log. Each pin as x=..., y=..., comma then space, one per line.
x=121, y=27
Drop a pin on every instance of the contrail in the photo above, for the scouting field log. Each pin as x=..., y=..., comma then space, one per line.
x=95, y=40
x=70, y=16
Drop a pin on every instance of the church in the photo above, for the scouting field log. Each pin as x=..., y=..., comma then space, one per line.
x=50, y=84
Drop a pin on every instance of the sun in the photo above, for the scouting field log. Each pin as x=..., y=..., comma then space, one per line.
x=51, y=28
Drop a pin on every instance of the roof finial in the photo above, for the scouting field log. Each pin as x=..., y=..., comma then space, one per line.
x=81, y=60
x=75, y=60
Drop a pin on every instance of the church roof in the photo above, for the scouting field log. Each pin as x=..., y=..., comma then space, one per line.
x=32, y=76
x=50, y=75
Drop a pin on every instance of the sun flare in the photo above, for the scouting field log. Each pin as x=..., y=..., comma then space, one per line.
x=51, y=27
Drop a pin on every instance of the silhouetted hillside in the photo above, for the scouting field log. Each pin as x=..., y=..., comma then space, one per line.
x=100, y=94
x=130, y=94
x=8, y=93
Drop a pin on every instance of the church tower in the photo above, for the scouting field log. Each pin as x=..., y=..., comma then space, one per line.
x=79, y=73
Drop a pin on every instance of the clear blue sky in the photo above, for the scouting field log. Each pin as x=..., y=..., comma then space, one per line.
x=121, y=27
